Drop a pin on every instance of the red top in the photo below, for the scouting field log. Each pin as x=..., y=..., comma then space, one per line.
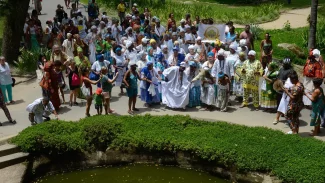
x=313, y=69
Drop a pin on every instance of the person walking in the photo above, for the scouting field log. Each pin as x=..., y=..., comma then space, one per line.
x=5, y=109
x=74, y=82
x=6, y=81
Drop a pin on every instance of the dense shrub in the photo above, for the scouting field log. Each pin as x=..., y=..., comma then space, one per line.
x=290, y=157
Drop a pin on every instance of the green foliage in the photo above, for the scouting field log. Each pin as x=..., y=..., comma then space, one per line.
x=242, y=14
x=320, y=35
x=256, y=31
x=287, y=26
x=27, y=61
x=290, y=157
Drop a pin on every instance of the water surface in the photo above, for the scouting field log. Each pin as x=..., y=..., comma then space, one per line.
x=133, y=174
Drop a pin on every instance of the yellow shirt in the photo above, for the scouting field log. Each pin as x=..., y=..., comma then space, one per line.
x=121, y=8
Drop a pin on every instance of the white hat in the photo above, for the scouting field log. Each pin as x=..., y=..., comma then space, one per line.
x=316, y=53
x=144, y=40
x=182, y=64
x=191, y=47
x=182, y=21
x=128, y=15
x=174, y=34
x=135, y=4
x=141, y=53
x=233, y=46
x=252, y=53
x=93, y=27
x=69, y=35
x=198, y=38
x=182, y=30
x=157, y=20
x=242, y=42
x=109, y=27
x=221, y=52
x=128, y=29
x=104, y=16
x=187, y=27
x=133, y=17
x=128, y=44
x=102, y=22
x=163, y=46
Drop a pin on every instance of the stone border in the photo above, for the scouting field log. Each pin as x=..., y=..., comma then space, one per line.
x=42, y=165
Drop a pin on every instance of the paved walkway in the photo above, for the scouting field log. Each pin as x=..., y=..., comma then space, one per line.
x=26, y=93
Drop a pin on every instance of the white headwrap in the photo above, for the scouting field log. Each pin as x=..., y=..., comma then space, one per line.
x=198, y=38
x=242, y=42
x=144, y=40
x=182, y=64
x=191, y=47
x=316, y=53
x=182, y=21
x=233, y=46
x=163, y=46
x=128, y=44
x=252, y=53
x=221, y=52
x=69, y=35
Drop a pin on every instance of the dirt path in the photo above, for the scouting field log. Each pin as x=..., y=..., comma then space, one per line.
x=296, y=17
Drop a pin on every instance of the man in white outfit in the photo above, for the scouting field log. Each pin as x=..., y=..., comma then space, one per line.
x=41, y=108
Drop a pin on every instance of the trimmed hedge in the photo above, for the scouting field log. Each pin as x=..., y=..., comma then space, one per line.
x=290, y=157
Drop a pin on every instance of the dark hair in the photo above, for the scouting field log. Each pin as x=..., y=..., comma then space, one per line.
x=293, y=75
x=57, y=63
x=268, y=35
x=40, y=57
x=318, y=81
x=84, y=70
x=170, y=14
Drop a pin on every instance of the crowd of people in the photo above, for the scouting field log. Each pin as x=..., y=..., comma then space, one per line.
x=169, y=65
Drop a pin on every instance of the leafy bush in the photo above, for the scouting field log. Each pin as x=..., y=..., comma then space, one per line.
x=27, y=60
x=320, y=34
x=256, y=31
x=290, y=157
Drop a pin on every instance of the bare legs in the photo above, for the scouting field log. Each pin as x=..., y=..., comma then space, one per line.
x=73, y=95
x=89, y=100
x=132, y=102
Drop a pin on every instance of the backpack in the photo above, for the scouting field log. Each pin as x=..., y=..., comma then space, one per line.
x=75, y=80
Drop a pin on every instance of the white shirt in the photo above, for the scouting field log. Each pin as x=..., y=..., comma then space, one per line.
x=5, y=75
x=189, y=37
x=37, y=107
x=160, y=30
x=69, y=47
x=97, y=66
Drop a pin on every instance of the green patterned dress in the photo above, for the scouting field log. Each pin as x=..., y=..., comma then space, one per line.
x=268, y=98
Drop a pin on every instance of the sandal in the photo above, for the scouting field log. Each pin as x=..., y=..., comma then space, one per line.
x=13, y=121
x=12, y=102
x=130, y=112
x=111, y=111
x=87, y=115
x=76, y=103
x=275, y=121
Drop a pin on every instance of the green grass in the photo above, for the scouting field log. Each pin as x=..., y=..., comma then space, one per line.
x=240, y=148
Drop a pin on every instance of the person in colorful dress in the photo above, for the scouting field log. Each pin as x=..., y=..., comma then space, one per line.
x=268, y=98
x=131, y=81
x=160, y=66
x=296, y=104
x=195, y=91
x=318, y=106
x=223, y=91
x=252, y=70
x=312, y=69
x=238, y=83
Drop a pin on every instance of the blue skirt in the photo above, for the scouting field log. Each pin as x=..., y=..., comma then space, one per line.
x=195, y=96
x=149, y=99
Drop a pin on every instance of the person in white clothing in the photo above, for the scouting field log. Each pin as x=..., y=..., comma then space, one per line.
x=189, y=38
x=159, y=29
x=222, y=65
x=143, y=46
x=192, y=55
x=176, y=87
x=68, y=45
x=41, y=108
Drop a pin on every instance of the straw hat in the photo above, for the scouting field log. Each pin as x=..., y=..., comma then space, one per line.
x=278, y=85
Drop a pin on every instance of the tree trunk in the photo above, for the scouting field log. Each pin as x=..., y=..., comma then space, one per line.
x=313, y=24
x=13, y=29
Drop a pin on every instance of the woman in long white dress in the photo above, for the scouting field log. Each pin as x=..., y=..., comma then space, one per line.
x=91, y=40
x=283, y=106
x=120, y=64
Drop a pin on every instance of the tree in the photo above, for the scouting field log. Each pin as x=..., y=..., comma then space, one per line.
x=15, y=14
x=313, y=24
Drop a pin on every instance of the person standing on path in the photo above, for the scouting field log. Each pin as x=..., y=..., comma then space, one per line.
x=5, y=81
x=67, y=3
x=252, y=70
x=266, y=50
x=121, y=10
x=131, y=78
x=248, y=36
x=5, y=109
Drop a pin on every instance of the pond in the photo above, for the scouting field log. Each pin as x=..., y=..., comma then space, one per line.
x=133, y=174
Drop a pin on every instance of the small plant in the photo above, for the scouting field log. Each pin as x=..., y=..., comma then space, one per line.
x=287, y=26
x=256, y=31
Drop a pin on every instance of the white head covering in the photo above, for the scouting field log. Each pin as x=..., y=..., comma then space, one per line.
x=187, y=27
x=174, y=34
x=163, y=46
x=182, y=21
x=191, y=47
x=104, y=16
x=198, y=38
x=102, y=22
x=182, y=64
x=128, y=15
x=128, y=44
x=69, y=35
x=233, y=46
x=316, y=53
x=144, y=40
x=127, y=29
x=252, y=52
x=221, y=52
x=135, y=4
x=140, y=54
x=157, y=20
x=93, y=27
x=242, y=42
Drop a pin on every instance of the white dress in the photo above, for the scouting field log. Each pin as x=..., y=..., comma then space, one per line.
x=208, y=96
x=283, y=106
x=69, y=47
x=121, y=64
x=90, y=40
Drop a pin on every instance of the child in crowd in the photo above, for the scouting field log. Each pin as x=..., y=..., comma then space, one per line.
x=58, y=71
x=223, y=91
x=98, y=97
x=107, y=85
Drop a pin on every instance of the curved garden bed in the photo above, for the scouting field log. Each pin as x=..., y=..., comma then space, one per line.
x=236, y=148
